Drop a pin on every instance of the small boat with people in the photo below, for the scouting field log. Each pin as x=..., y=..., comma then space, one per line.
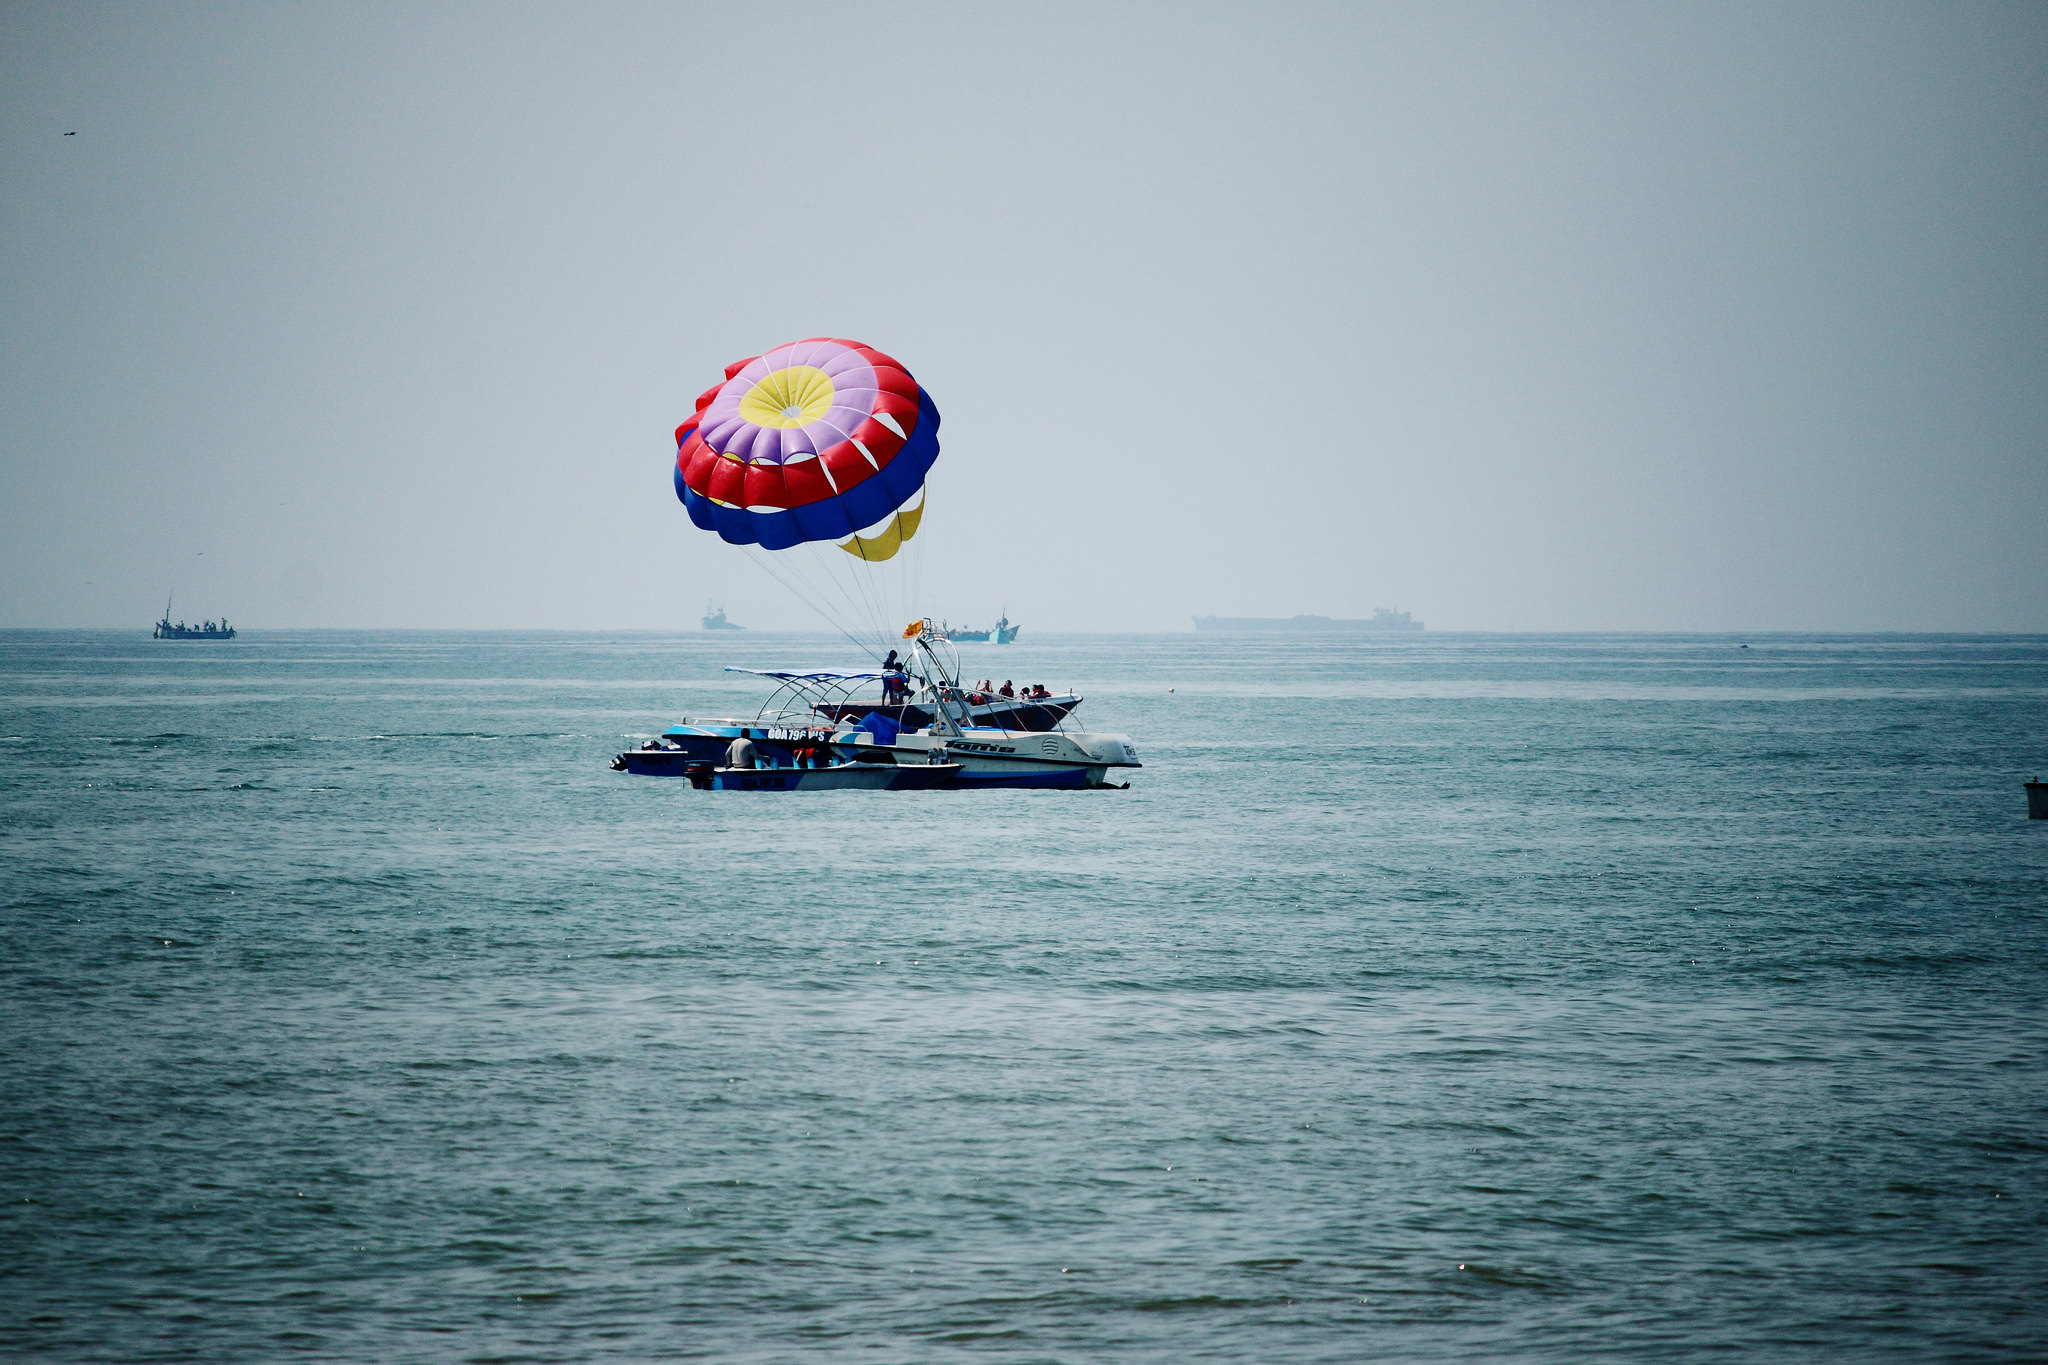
x=1001, y=633
x=1007, y=707
x=826, y=720
x=211, y=630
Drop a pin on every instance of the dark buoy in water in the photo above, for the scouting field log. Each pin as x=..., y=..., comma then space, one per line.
x=2037, y=800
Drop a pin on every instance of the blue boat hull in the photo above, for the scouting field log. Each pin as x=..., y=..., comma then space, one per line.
x=885, y=777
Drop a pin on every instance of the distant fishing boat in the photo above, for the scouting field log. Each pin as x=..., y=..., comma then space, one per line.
x=1001, y=633
x=715, y=620
x=210, y=630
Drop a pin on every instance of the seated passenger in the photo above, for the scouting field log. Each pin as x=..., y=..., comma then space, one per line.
x=1007, y=690
x=740, y=753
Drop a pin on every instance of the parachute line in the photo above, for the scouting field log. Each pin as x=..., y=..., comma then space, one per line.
x=802, y=594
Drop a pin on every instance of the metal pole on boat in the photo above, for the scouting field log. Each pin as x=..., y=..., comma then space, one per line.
x=951, y=709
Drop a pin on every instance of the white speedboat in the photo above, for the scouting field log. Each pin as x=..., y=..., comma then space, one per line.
x=991, y=757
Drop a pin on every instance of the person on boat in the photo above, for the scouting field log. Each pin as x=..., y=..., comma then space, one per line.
x=895, y=687
x=1007, y=690
x=740, y=753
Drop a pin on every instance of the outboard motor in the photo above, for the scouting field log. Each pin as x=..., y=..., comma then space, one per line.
x=699, y=774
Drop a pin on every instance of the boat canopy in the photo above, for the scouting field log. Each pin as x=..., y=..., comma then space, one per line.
x=801, y=691
x=817, y=675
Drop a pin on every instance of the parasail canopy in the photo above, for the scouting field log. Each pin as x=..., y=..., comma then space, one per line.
x=823, y=440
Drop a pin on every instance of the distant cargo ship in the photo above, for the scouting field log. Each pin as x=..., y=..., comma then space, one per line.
x=715, y=620
x=1383, y=618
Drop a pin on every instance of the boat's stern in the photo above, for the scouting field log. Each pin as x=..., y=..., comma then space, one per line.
x=1011, y=758
x=1102, y=752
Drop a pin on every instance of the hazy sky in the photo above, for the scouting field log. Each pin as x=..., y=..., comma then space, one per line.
x=1529, y=316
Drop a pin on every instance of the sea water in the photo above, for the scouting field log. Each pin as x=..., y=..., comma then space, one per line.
x=1424, y=998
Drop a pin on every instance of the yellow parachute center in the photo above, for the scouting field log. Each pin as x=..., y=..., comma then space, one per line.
x=793, y=397
x=884, y=545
